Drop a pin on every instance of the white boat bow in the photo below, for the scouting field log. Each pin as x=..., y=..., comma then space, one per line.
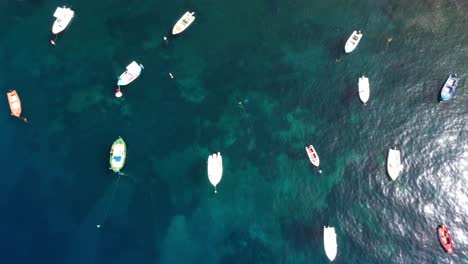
x=329, y=242
x=63, y=17
x=364, y=89
x=353, y=41
x=394, y=165
x=215, y=169
x=132, y=72
x=183, y=23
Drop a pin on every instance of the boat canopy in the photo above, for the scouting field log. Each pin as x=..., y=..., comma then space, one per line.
x=133, y=68
x=61, y=12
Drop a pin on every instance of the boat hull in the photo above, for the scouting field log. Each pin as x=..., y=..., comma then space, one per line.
x=130, y=75
x=329, y=242
x=445, y=238
x=183, y=23
x=215, y=168
x=364, y=89
x=15, y=103
x=394, y=165
x=313, y=156
x=118, y=155
x=353, y=41
x=60, y=24
x=448, y=90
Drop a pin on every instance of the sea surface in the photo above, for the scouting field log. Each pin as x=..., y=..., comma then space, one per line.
x=256, y=80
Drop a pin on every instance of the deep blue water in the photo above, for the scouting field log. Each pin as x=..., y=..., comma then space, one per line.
x=278, y=58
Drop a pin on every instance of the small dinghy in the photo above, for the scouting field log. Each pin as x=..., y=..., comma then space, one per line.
x=63, y=16
x=15, y=105
x=118, y=154
x=445, y=238
x=449, y=87
x=215, y=169
x=353, y=41
x=183, y=23
x=313, y=157
x=364, y=90
x=329, y=242
x=394, y=165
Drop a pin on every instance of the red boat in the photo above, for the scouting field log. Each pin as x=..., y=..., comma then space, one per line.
x=314, y=158
x=445, y=238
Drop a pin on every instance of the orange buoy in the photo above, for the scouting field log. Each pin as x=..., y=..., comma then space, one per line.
x=15, y=104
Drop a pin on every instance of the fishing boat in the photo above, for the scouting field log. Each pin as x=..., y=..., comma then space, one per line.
x=329, y=242
x=313, y=156
x=184, y=22
x=118, y=154
x=364, y=90
x=394, y=165
x=63, y=16
x=445, y=238
x=15, y=104
x=449, y=87
x=353, y=41
x=132, y=72
x=215, y=169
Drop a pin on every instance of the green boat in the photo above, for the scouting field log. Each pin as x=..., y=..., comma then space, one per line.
x=118, y=154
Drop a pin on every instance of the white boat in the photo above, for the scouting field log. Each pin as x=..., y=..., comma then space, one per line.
x=364, y=90
x=215, y=169
x=313, y=156
x=329, y=242
x=132, y=72
x=353, y=41
x=183, y=23
x=63, y=16
x=394, y=165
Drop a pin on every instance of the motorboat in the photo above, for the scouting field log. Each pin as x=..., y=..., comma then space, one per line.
x=118, y=154
x=313, y=156
x=449, y=87
x=63, y=16
x=183, y=23
x=132, y=72
x=353, y=41
x=329, y=242
x=215, y=169
x=445, y=238
x=15, y=104
x=394, y=165
x=364, y=90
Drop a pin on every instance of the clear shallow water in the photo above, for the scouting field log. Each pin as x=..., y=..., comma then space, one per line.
x=272, y=205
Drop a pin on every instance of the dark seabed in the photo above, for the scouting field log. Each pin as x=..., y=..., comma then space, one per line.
x=278, y=57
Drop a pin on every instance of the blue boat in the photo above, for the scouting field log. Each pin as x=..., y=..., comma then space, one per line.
x=449, y=87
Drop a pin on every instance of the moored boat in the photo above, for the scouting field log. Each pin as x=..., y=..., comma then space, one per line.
x=183, y=23
x=118, y=154
x=448, y=90
x=353, y=41
x=215, y=169
x=329, y=242
x=364, y=89
x=394, y=165
x=313, y=156
x=445, y=238
x=132, y=72
x=15, y=104
x=63, y=16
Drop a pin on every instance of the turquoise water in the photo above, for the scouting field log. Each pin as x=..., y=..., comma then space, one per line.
x=276, y=57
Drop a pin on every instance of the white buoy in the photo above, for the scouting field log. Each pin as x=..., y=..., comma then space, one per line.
x=215, y=169
x=118, y=93
x=98, y=226
x=165, y=38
